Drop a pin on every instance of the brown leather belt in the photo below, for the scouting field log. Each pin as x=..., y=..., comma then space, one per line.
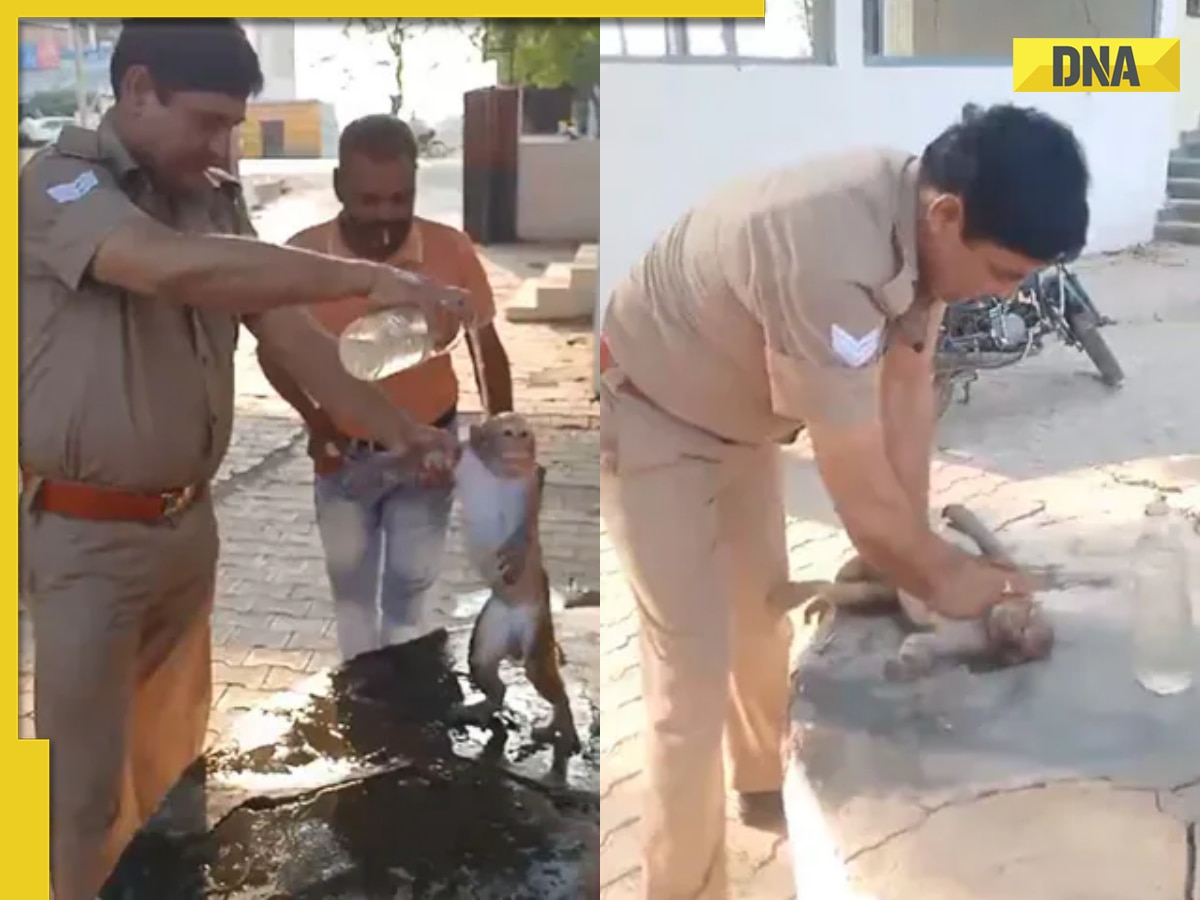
x=103, y=504
x=366, y=445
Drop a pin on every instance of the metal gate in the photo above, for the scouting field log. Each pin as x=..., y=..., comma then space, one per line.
x=491, y=130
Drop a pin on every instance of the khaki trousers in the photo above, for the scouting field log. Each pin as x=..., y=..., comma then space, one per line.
x=122, y=674
x=698, y=526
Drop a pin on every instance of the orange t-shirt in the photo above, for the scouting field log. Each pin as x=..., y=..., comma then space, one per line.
x=444, y=254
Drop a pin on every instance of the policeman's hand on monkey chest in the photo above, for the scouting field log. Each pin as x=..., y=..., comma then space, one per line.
x=500, y=485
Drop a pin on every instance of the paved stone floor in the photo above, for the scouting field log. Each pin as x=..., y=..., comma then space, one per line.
x=1036, y=448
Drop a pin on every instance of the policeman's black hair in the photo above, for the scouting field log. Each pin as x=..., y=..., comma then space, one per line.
x=379, y=137
x=210, y=55
x=1022, y=178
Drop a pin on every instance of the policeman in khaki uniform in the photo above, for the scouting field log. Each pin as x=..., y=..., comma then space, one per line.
x=131, y=298
x=806, y=298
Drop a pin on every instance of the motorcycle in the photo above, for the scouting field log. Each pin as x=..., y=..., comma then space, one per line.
x=993, y=332
x=430, y=145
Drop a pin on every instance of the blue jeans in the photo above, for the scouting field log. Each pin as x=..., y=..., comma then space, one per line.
x=383, y=557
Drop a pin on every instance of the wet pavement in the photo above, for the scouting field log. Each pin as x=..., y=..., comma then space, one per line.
x=354, y=786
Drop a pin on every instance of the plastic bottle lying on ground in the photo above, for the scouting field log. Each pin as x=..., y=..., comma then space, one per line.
x=1164, y=633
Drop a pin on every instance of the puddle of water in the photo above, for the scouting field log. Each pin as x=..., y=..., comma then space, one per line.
x=355, y=788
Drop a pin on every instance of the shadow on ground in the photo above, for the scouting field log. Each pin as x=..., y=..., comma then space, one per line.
x=355, y=787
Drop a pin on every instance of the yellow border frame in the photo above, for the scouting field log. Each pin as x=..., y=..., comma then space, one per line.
x=27, y=862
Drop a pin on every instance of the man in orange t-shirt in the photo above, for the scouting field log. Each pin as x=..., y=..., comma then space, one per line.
x=384, y=555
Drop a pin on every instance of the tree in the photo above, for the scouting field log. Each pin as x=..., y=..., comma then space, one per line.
x=533, y=52
x=543, y=52
x=546, y=53
x=397, y=33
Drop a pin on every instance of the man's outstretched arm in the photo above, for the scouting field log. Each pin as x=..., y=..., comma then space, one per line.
x=823, y=360
x=78, y=224
x=909, y=402
x=307, y=359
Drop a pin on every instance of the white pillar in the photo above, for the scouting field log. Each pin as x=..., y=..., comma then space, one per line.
x=847, y=33
x=1170, y=12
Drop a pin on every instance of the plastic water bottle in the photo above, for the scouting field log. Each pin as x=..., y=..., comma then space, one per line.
x=384, y=343
x=1164, y=636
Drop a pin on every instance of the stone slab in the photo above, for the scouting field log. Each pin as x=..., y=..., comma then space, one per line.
x=1054, y=780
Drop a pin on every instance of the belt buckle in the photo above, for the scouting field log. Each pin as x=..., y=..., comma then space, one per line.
x=176, y=502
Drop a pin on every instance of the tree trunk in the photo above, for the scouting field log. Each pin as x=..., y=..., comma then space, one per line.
x=396, y=45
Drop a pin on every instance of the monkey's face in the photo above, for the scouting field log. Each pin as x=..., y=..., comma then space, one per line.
x=506, y=444
x=1019, y=632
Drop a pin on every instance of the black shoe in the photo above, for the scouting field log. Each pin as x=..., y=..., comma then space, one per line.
x=762, y=810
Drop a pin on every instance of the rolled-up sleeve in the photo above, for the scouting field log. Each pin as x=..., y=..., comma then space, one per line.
x=824, y=335
x=68, y=208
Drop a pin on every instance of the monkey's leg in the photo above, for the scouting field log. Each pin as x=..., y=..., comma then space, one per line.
x=487, y=647
x=541, y=668
x=950, y=641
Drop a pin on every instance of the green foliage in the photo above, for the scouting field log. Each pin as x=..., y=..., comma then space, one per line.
x=534, y=52
x=546, y=53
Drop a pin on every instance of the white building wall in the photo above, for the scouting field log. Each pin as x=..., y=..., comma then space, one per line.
x=1187, y=108
x=275, y=41
x=674, y=131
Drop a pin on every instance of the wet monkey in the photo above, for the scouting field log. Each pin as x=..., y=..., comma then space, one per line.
x=500, y=479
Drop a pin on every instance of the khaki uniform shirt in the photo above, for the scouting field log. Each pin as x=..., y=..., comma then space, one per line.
x=117, y=389
x=770, y=304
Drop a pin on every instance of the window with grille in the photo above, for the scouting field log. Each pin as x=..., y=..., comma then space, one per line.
x=787, y=32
